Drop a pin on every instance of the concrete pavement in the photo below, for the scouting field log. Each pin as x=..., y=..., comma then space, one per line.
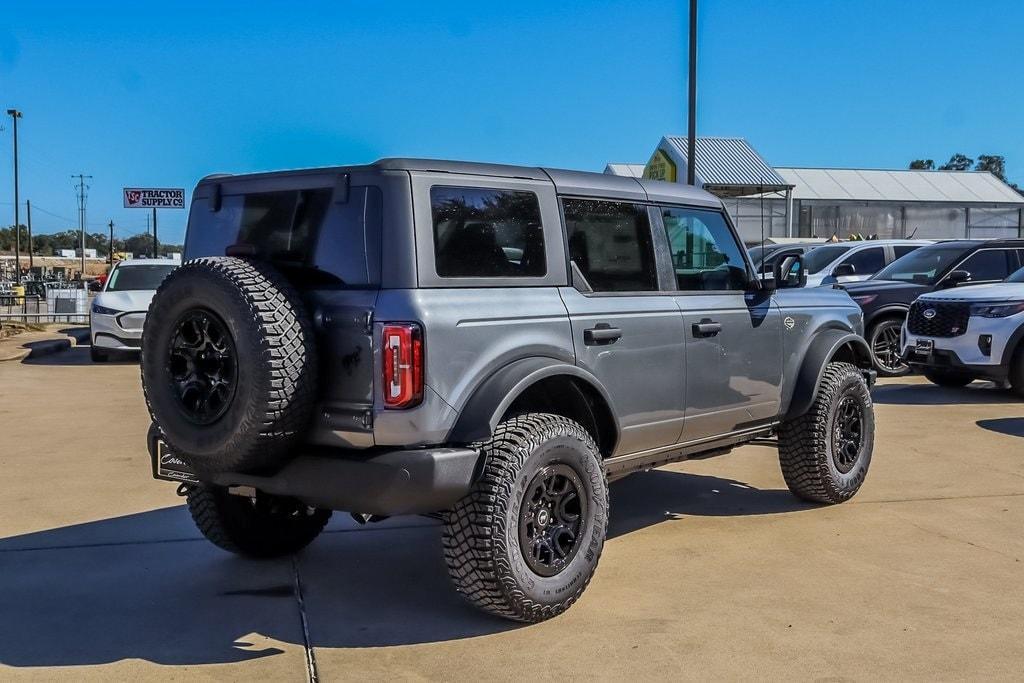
x=712, y=568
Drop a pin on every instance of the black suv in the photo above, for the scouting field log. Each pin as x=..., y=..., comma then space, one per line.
x=886, y=297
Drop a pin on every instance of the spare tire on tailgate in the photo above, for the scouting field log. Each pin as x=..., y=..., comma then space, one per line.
x=229, y=365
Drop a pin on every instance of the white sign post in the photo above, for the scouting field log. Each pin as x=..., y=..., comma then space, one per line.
x=154, y=198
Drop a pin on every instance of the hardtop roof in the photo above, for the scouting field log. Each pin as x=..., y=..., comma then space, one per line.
x=565, y=181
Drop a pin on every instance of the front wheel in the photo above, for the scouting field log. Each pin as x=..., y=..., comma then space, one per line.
x=263, y=526
x=825, y=453
x=884, y=340
x=525, y=542
x=947, y=378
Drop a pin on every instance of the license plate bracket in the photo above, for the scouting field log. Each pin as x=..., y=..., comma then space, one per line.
x=924, y=347
x=170, y=467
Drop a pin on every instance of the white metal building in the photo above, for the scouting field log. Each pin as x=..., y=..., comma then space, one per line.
x=821, y=202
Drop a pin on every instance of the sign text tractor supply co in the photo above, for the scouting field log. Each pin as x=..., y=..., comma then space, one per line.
x=154, y=198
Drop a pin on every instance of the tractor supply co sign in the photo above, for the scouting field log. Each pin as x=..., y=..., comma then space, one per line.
x=154, y=198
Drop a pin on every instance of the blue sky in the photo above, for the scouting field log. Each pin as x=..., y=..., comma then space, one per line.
x=164, y=93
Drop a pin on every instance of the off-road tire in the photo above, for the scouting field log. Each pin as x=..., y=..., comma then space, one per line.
x=878, y=329
x=276, y=364
x=947, y=378
x=807, y=444
x=264, y=527
x=481, y=533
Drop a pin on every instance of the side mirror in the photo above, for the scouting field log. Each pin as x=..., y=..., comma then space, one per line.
x=844, y=270
x=957, y=277
x=790, y=273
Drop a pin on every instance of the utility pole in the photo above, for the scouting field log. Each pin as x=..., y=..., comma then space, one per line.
x=691, y=139
x=15, y=114
x=110, y=245
x=83, y=195
x=154, y=234
x=28, y=209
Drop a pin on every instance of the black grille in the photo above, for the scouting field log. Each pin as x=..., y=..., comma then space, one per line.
x=949, y=319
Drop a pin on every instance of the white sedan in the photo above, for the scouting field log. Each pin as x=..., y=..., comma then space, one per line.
x=118, y=312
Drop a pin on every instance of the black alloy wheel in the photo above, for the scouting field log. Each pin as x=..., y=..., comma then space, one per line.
x=885, y=348
x=551, y=521
x=202, y=366
x=847, y=433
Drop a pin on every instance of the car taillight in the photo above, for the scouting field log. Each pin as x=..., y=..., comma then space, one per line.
x=403, y=365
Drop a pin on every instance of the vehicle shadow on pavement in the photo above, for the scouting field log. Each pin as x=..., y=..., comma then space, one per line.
x=146, y=586
x=1011, y=426
x=79, y=355
x=930, y=394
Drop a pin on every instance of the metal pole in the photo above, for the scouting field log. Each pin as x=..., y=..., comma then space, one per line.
x=28, y=209
x=15, y=114
x=110, y=245
x=691, y=139
x=154, y=234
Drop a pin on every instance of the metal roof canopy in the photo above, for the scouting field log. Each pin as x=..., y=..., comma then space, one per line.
x=871, y=185
x=727, y=167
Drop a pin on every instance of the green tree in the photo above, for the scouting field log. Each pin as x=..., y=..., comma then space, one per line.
x=957, y=162
x=922, y=164
x=993, y=163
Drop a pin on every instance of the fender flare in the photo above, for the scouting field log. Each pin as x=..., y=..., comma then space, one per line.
x=886, y=311
x=1012, y=343
x=824, y=347
x=489, y=401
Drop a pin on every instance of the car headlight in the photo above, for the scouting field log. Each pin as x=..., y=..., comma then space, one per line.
x=103, y=310
x=997, y=310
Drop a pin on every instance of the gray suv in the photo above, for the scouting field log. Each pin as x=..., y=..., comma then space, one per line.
x=489, y=345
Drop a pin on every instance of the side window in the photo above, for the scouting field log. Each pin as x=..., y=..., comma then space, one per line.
x=481, y=232
x=900, y=250
x=987, y=264
x=866, y=261
x=610, y=244
x=705, y=254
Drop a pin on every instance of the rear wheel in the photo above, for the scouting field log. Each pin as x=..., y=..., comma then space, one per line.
x=884, y=340
x=525, y=542
x=947, y=378
x=263, y=526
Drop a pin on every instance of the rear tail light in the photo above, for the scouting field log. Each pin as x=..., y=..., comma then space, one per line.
x=403, y=365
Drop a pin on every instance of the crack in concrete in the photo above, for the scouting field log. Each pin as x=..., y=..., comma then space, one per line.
x=311, y=671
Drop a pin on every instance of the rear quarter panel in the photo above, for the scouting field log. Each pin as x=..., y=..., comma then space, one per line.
x=469, y=333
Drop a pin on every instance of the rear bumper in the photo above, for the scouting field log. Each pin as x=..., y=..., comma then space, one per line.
x=392, y=482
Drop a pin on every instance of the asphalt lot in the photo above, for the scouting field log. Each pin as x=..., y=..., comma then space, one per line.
x=712, y=571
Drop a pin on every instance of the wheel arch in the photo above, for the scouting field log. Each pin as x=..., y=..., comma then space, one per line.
x=889, y=311
x=539, y=384
x=1015, y=342
x=830, y=345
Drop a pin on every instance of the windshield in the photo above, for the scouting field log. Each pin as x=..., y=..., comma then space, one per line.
x=1016, y=277
x=819, y=257
x=922, y=266
x=127, y=278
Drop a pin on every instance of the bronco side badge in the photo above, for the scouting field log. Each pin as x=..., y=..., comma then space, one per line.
x=789, y=323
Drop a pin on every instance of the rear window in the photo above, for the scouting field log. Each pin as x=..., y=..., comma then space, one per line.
x=480, y=232
x=819, y=257
x=315, y=241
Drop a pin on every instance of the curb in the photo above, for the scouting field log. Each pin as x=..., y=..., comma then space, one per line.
x=47, y=347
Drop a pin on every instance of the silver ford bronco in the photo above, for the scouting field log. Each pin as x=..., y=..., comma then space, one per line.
x=486, y=344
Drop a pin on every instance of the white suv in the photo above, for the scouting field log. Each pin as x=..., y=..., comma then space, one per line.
x=854, y=261
x=958, y=335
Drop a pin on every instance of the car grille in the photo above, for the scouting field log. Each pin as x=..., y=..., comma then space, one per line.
x=949, y=320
